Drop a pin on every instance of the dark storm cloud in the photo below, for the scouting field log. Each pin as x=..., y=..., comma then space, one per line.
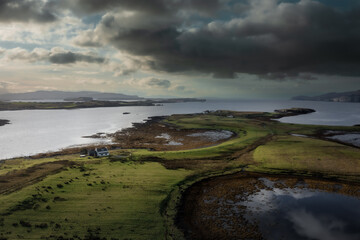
x=267, y=37
x=270, y=38
x=180, y=88
x=162, y=7
x=286, y=76
x=25, y=11
x=162, y=83
x=96, y=6
x=47, y=11
x=183, y=89
x=55, y=55
x=70, y=57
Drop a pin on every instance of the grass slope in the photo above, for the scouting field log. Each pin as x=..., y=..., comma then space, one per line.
x=246, y=133
x=307, y=154
x=104, y=199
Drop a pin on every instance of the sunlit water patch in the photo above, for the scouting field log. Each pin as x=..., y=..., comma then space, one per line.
x=298, y=135
x=169, y=140
x=213, y=136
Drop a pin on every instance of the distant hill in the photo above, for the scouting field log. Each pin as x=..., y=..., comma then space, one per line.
x=333, y=97
x=61, y=95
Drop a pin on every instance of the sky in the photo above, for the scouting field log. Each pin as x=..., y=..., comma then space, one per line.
x=246, y=49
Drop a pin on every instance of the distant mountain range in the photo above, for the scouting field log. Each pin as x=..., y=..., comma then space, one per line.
x=333, y=97
x=61, y=95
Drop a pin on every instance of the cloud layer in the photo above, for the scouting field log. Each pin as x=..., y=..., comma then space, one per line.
x=26, y=11
x=218, y=37
x=187, y=43
x=267, y=36
x=55, y=55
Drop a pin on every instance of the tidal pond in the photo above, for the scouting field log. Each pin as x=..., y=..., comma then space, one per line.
x=350, y=138
x=253, y=206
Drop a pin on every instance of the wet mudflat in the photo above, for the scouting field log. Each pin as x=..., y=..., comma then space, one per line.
x=156, y=135
x=254, y=206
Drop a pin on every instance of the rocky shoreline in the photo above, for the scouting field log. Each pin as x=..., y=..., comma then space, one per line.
x=154, y=134
x=157, y=135
x=287, y=112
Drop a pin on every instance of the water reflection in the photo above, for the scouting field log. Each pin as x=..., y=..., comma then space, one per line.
x=319, y=227
x=351, y=138
x=301, y=213
x=254, y=206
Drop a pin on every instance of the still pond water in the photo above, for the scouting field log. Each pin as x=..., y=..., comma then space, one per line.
x=36, y=131
x=301, y=213
x=281, y=209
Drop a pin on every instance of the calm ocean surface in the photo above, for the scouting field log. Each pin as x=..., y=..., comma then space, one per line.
x=36, y=131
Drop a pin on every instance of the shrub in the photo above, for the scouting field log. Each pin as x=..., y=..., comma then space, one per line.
x=25, y=224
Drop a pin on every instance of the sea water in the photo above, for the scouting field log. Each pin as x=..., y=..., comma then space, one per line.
x=37, y=131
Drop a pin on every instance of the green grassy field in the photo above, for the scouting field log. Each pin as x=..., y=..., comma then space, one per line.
x=137, y=197
x=246, y=133
x=107, y=199
x=306, y=154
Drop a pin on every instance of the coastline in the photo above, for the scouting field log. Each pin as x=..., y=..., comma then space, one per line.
x=148, y=135
x=13, y=106
x=153, y=134
x=261, y=145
